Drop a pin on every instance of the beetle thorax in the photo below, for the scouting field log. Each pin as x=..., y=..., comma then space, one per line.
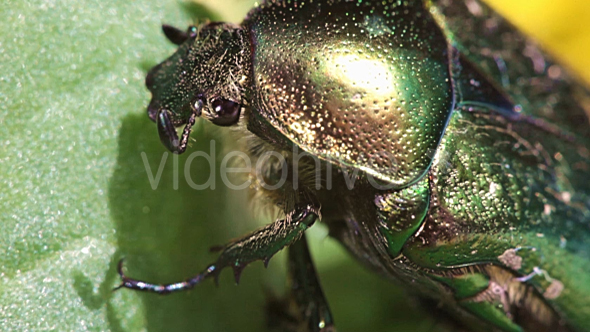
x=372, y=92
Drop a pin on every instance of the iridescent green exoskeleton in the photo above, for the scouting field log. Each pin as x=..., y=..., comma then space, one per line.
x=458, y=152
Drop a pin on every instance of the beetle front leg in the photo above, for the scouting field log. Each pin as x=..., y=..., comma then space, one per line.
x=259, y=245
x=306, y=292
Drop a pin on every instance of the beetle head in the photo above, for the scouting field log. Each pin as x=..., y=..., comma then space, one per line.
x=205, y=76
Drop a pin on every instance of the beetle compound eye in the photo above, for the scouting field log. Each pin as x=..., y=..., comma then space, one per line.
x=226, y=112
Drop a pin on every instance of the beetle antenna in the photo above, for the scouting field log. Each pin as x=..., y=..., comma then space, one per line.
x=186, y=133
x=167, y=131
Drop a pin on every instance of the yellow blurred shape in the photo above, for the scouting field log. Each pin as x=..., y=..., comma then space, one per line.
x=561, y=26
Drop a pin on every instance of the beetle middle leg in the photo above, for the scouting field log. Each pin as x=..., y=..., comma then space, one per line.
x=305, y=307
x=259, y=245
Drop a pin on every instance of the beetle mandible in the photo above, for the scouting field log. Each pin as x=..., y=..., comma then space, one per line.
x=468, y=152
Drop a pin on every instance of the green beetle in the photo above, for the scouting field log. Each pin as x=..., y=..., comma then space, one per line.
x=439, y=145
